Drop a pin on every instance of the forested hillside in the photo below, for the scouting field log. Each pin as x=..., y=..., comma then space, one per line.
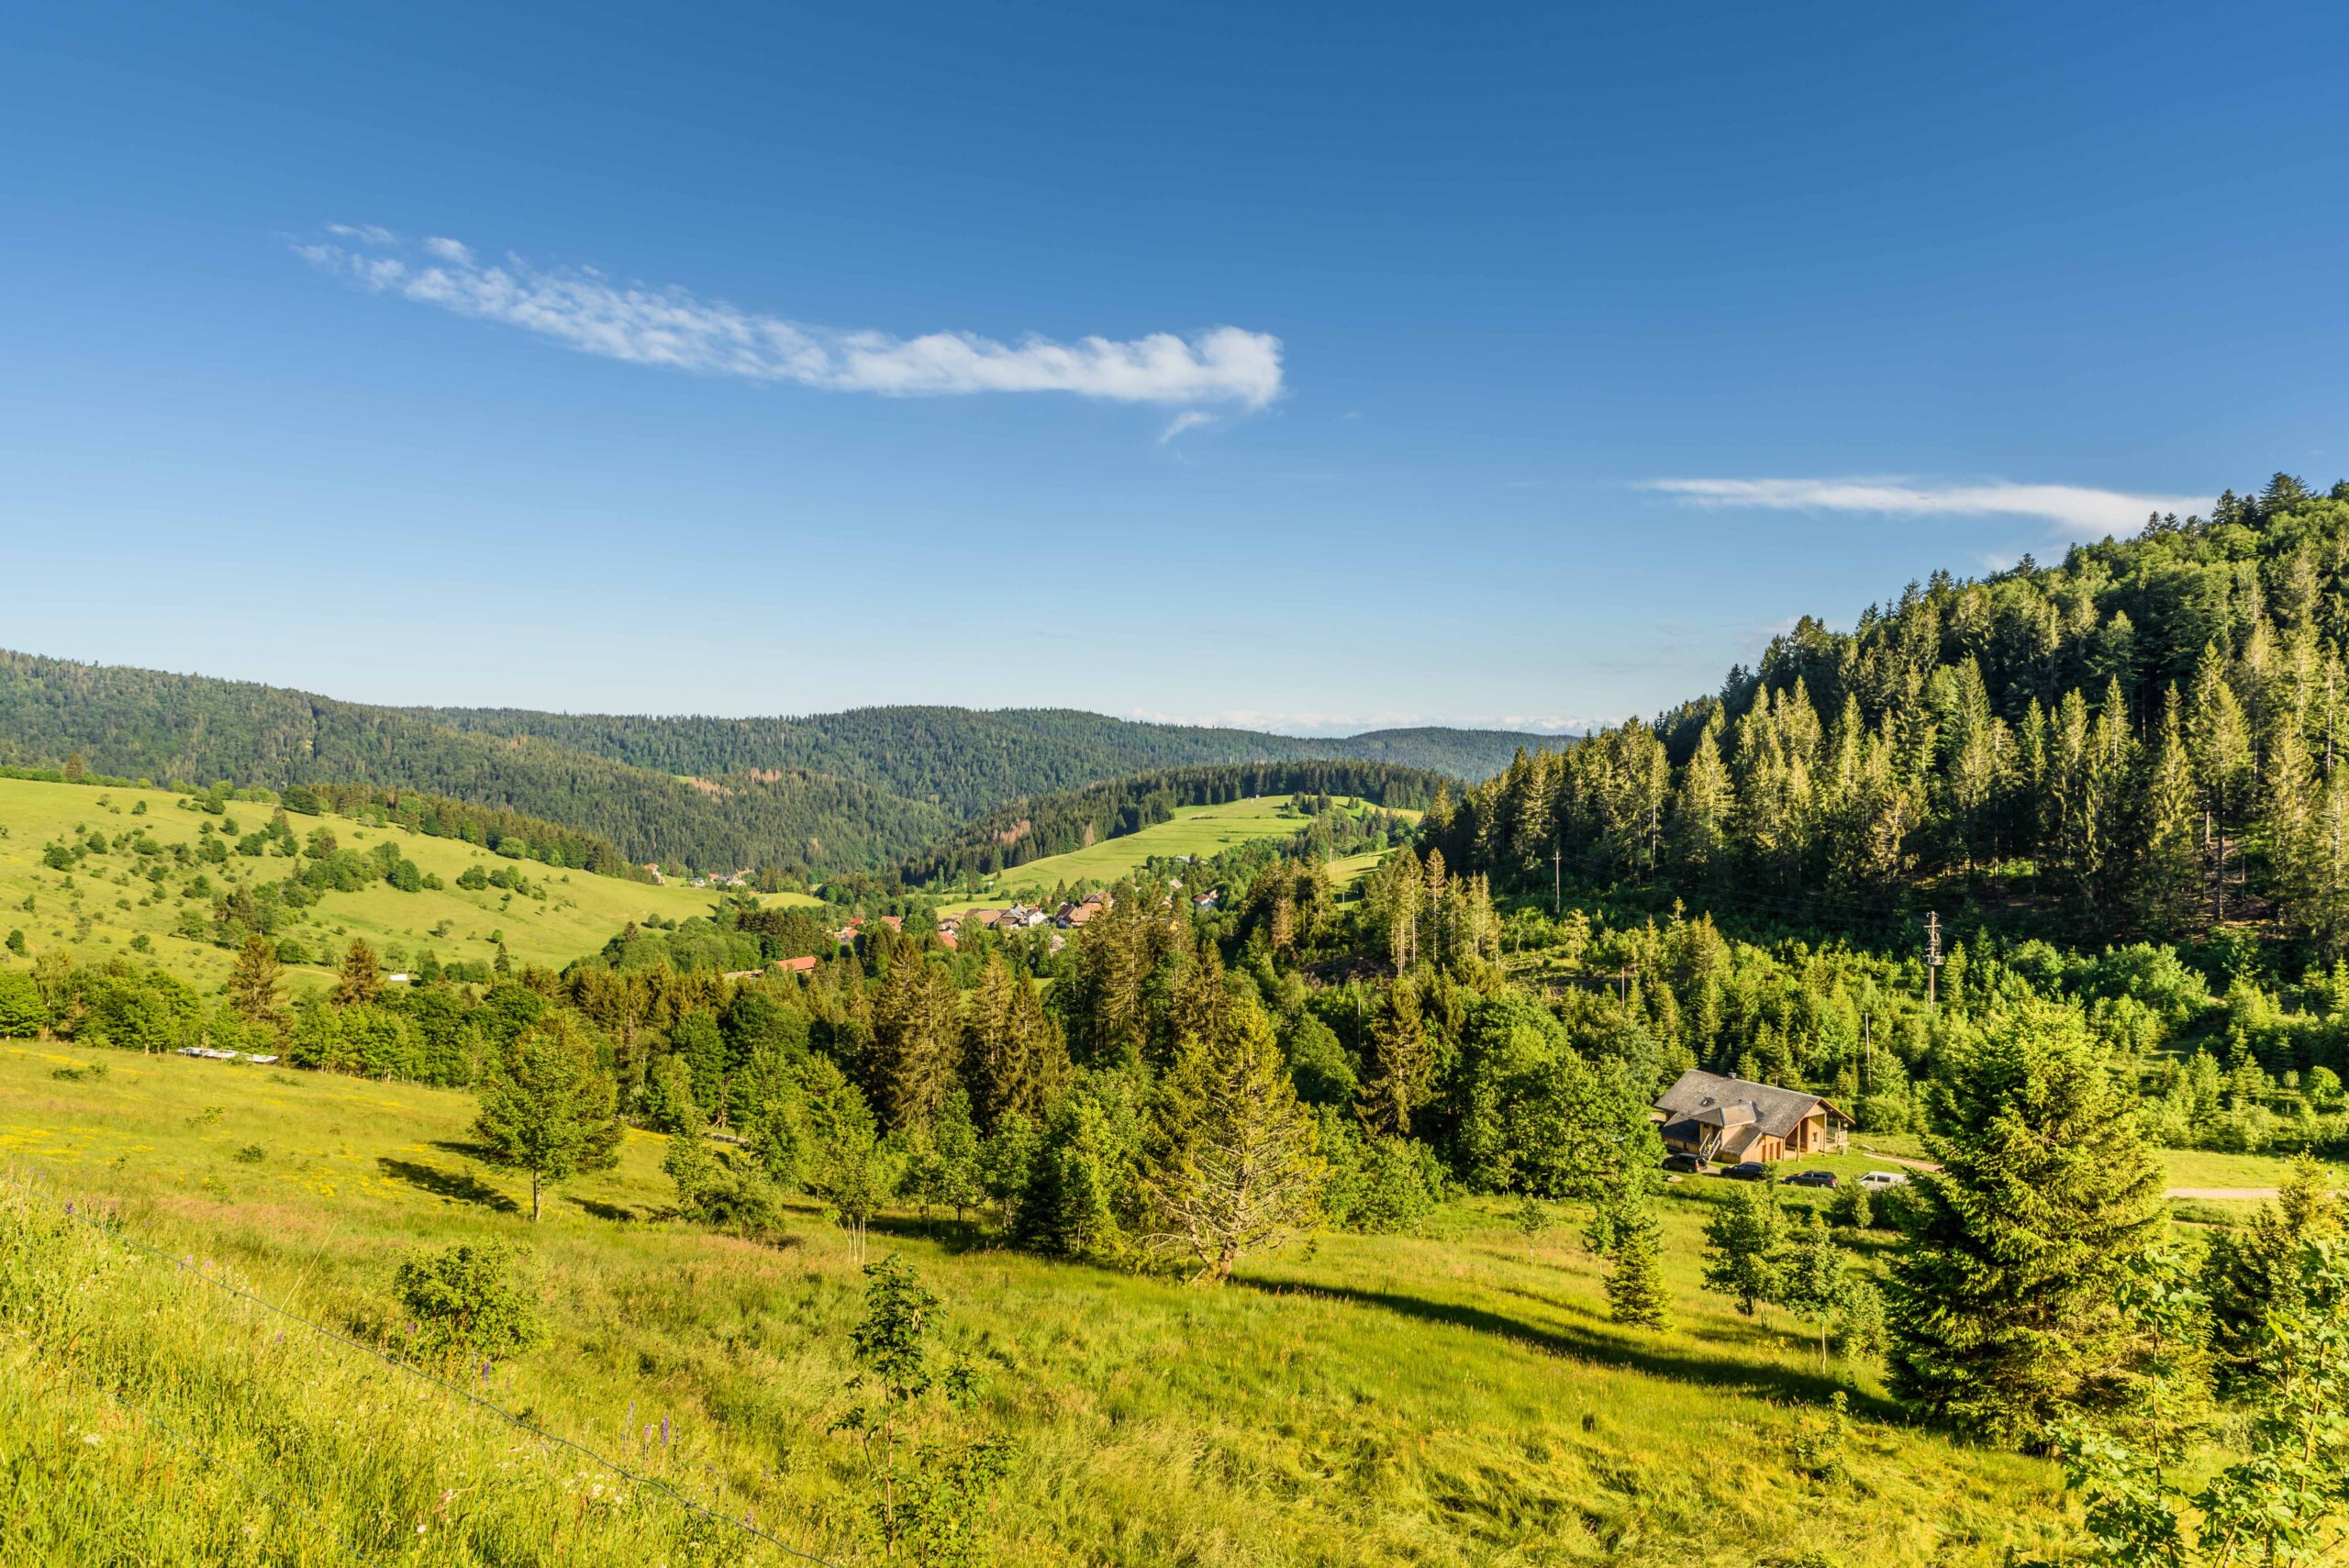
x=963, y=759
x=2146, y=738
x=1031, y=829
x=189, y=728
x=803, y=797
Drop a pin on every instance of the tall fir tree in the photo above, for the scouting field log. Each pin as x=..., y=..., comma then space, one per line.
x=1635, y=1292
x=2004, y=1309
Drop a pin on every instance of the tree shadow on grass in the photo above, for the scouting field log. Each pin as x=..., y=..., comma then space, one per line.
x=458, y=1186
x=1754, y=1377
x=601, y=1210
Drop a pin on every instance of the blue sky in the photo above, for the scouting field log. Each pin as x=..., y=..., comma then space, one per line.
x=1313, y=368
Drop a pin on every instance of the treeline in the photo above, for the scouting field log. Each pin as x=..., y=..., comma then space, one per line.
x=511, y=833
x=143, y=723
x=1030, y=829
x=961, y=760
x=2145, y=739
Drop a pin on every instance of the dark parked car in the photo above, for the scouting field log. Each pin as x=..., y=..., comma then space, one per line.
x=1695, y=1164
x=1811, y=1179
x=1747, y=1171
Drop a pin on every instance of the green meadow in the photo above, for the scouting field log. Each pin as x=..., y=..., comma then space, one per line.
x=101, y=907
x=1200, y=830
x=1456, y=1396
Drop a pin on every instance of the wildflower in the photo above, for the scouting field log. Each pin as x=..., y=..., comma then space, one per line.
x=92, y=1438
x=664, y=1431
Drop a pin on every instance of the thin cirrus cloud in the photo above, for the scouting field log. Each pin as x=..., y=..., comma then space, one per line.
x=2076, y=512
x=677, y=329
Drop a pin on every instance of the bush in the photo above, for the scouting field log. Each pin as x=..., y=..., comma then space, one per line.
x=1388, y=1184
x=465, y=1304
x=22, y=1011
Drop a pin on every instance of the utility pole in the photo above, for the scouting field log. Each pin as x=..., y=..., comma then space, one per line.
x=1557, y=880
x=1867, y=1049
x=1932, y=957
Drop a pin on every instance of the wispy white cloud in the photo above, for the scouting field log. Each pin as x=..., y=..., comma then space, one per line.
x=1189, y=419
x=2074, y=511
x=675, y=329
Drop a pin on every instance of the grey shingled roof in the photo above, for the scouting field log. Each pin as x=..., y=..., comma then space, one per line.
x=1701, y=1096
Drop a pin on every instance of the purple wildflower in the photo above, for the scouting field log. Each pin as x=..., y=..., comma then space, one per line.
x=664, y=1431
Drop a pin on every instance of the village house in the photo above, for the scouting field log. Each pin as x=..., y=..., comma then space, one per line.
x=1728, y=1119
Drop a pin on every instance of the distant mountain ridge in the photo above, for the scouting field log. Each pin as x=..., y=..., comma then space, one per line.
x=965, y=761
x=863, y=789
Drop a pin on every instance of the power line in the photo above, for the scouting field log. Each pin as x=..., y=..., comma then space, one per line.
x=654, y=1482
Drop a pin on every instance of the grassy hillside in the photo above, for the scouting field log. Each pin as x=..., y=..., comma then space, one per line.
x=1037, y=827
x=1448, y=1398
x=1200, y=830
x=99, y=909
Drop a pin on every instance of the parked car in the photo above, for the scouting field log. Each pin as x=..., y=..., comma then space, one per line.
x=1877, y=1181
x=1812, y=1179
x=1747, y=1171
x=1695, y=1164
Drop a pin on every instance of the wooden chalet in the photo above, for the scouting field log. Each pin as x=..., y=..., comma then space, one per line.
x=1729, y=1119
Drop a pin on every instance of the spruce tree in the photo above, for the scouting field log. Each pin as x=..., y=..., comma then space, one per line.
x=2170, y=863
x=2250, y=1272
x=361, y=978
x=2219, y=742
x=1635, y=1293
x=2004, y=1299
x=1232, y=1163
x=1400, y=1061
x=252, y=985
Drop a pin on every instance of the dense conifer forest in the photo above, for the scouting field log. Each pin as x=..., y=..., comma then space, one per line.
x=2145, y=740
x=963, y=760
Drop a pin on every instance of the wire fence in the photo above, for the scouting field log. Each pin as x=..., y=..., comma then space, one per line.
x=651, y=1483
x=146, y=1415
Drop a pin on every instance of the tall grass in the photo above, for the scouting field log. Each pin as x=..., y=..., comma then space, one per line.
x=1455, y=1397
x=154, y=1418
